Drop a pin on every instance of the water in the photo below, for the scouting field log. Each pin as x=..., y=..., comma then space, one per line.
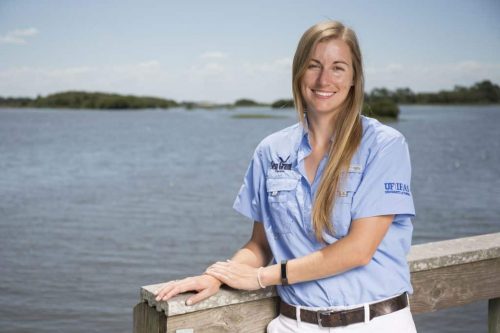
x=95, y=204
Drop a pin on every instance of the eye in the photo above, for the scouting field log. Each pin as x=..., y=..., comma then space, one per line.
x=338, y=68
x=313, y=65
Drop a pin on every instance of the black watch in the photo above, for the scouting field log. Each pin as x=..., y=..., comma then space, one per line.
x=284, y=279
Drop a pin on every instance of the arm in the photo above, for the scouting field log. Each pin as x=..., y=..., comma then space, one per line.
x=356, y=249
x=255, y=253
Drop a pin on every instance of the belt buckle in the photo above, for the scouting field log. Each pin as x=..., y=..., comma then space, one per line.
x=322, y=312
x=342, y=317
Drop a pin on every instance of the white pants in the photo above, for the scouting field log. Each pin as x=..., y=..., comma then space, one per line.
x=400, y=321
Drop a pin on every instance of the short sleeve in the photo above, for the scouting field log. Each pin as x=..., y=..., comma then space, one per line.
x=385, y=185
x=249, y=198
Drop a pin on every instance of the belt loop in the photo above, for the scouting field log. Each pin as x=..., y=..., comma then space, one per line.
x=367, y=312
x=408, y=298
x=297, y=315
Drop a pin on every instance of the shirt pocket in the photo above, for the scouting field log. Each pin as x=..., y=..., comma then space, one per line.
x=280, y=196
x=342, y=210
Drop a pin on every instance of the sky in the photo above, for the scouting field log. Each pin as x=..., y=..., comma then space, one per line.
x=221, y=51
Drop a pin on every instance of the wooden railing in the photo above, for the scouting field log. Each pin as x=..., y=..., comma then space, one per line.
x=443, y=274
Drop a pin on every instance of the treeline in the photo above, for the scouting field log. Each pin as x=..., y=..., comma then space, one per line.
x=385, y=100
x=89, y=100
x=484, y=92
x=96, y=100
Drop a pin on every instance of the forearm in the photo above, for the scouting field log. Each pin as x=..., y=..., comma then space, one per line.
x=252, y=254
x=335, y=258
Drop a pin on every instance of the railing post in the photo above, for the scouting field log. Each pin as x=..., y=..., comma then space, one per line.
x=149, y=320
x=494, y=315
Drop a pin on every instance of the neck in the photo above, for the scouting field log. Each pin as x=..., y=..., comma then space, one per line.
x=320, y=129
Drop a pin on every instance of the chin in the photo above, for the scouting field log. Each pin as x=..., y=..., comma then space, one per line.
x=324, y=109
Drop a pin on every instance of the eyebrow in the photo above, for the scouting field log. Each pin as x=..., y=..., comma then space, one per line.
x=335, y=62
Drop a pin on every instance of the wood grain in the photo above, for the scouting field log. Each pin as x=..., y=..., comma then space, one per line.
x=148, y=320
x=250, y=317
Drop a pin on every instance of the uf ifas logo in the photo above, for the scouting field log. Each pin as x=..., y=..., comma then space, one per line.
x=281, y=165
x=397, y=188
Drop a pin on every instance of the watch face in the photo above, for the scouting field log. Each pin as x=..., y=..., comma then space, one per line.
x=284, y=279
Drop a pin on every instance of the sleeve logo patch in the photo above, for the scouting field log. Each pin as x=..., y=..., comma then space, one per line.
x=397, y=188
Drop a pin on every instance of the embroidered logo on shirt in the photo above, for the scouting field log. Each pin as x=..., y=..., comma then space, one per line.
x=281, y=165
x=355, y=168
x=397, y=188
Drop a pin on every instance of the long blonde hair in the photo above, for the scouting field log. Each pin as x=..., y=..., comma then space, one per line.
x=347, y=129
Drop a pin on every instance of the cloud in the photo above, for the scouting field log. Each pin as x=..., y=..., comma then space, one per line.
x=214, y=55
x=149, y=64
x=282, y=65
x=18, y=36
x=146, y=77
x=207, y=80
x=208, y=69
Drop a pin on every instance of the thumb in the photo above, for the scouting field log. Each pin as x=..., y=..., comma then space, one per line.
x=205, y=293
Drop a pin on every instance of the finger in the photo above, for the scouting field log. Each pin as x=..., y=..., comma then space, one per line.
x=182, y=287
x=163, y=286
x=169, y=283
x=221, y=270
x=174, y=291
x=164, y=290
x=220, y=266
x=167, y=290
x=205, y=293
x=221, y=277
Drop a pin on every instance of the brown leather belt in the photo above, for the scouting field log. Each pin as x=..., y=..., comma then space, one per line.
x=330, y=318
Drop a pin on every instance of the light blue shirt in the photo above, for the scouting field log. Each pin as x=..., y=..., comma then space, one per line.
x=276, y=192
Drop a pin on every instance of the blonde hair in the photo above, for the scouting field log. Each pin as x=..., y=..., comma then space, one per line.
x=347, y=129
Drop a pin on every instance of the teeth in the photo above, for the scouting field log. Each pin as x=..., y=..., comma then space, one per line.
x=322, y=93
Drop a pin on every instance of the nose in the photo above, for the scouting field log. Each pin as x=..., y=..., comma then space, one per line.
x=324, y=77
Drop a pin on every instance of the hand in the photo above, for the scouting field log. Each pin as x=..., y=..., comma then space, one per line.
x=205, y=285
x=235, y=275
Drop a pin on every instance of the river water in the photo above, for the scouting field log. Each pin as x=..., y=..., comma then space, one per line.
x=95, y=204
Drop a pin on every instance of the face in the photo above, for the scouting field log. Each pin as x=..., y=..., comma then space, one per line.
x=328, y=77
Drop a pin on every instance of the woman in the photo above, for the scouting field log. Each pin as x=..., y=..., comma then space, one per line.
x=331, y=205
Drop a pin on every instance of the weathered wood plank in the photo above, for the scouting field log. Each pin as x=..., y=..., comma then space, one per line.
x=226, y=296
x=494, y=315
x=250, y=317
x=148, y=320
x=457, y=285
x=454, y=252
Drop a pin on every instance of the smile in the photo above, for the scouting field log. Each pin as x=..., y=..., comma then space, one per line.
x=323, y=93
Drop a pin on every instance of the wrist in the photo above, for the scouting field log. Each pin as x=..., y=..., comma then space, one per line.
x=216, y=280
x=270, y=275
